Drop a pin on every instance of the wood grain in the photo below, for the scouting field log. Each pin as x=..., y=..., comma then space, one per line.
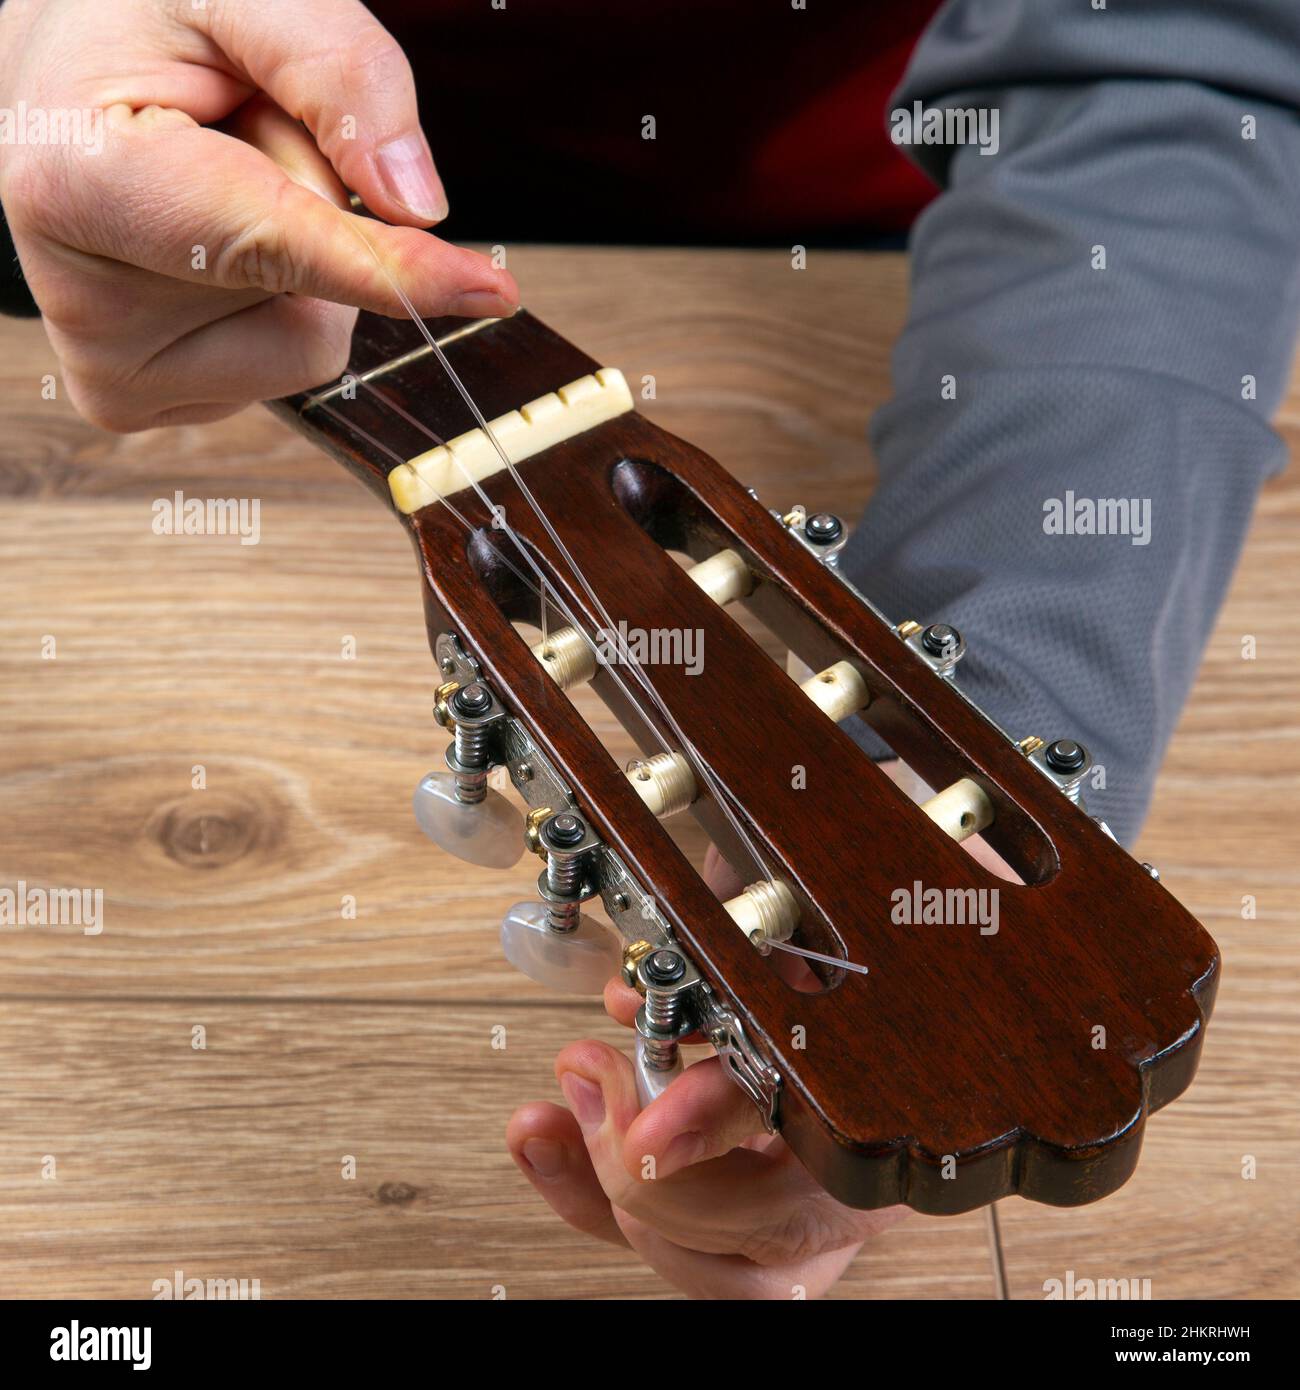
x=229, y=1162
x=174, y=652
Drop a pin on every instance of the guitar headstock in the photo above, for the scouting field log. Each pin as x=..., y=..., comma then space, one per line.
x=1014, y=1051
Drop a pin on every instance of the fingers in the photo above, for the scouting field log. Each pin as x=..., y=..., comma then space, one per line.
x=545, y=1142
x=232, y=218
x=333, y=66
x=116, y=239
x=94, y=306
x=273, y=348
x=261, y=123
x=702, y=1115
x=759, y=1204
x=621, y=1002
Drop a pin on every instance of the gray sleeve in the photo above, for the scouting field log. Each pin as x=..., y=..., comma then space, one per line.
x=1169, y=136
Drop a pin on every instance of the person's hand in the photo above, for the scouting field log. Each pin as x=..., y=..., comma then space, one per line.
x=185, y=271
x=728, y=1212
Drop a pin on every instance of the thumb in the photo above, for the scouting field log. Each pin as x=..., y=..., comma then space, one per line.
x=702, y=1115
x=233, y=218
x=333, y=66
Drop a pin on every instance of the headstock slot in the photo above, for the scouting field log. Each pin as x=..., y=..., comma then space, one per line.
x=679, y=518
x=516, y=602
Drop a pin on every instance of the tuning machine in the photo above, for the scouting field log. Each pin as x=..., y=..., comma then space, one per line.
x=1065, y=761
x=553, y=941
x=670, y=984
x=679, y=1003
x=457, y=809
x=823, y=533
x=939, y=645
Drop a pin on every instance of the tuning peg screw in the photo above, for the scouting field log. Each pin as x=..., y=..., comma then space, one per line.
x=471, y=700
x=823, y=529
x=941, y=639
x=1065, y=755
x=564, y=831
x=663, y=967
x=471, y=709
x=566, y=841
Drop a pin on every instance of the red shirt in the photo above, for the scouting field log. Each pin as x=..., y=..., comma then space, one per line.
x=770, y=121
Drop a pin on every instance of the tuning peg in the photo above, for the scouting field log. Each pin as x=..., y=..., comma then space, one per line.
x=669, y=981
x=488, y=832
x=457, y=809
x=940, y=645
x=652, y=1080
x=577, y=961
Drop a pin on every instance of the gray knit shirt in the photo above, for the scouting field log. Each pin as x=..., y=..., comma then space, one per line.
x=1103, y=309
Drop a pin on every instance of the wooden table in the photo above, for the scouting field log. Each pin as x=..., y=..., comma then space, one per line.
x=371, y=1037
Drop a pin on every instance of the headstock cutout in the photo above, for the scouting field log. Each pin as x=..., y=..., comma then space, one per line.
x=679, y=518
x=517, y=603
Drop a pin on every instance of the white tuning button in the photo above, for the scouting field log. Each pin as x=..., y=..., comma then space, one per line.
x=485, y=832
x=962, y=810
x=664, y=782
x=765, y=912
x=838, y=691
x=652, y=1081
x=570, y=659
x=579, y=961
x=457, y=809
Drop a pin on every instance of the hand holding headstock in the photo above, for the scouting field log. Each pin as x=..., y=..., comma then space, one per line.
x=967, y=1064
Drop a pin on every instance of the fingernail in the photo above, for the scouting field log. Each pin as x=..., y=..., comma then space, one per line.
x=406, y=168
x=585, y=1100
x=544, y=1156
x=681, y=1153
x=481, y=304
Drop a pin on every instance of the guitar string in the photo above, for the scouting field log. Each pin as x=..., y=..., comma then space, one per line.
x=623, y=651
x=501, y=555
x=787, y=946
x=540, y=593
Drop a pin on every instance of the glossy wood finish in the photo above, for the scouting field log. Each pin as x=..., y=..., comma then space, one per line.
x=964, y=1067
